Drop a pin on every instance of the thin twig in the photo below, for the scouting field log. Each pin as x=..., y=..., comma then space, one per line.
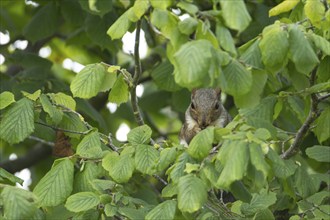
x=42, y=141
x=61, y=129
x=136, y=76
x=312, y=116
x=321, y=98
x=110, y=143
x=160, y=179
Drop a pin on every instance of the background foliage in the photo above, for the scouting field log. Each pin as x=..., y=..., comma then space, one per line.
x=270, y=58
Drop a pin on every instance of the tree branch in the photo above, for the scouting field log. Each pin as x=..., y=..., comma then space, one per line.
x=34, y=156
x=136, y=76
x=312, y=116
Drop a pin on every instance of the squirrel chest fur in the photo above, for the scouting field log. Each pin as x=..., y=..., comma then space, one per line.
x=204, y=110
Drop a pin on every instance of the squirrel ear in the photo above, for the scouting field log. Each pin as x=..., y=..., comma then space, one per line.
x=218, y=91
x=193, y=92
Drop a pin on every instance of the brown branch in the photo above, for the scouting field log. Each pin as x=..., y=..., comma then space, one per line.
x=136, y=76
x=312, y=116
x=34, y=156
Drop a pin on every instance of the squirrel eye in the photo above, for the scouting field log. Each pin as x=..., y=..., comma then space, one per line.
x=192, y=105
x=217, y=105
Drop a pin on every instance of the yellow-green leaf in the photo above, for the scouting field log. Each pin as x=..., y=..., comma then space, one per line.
x=315, y=11
x=88, y=81
x=284, y=6
x=6, y=98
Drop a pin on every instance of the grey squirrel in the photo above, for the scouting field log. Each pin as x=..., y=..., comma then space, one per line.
x=204, y=110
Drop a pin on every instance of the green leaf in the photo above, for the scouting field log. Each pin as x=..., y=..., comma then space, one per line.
x=132, y=213
x=234, y=156
x=167, y=22
x=140, y=135
x=6, y=98
x=56, y=185
x=319, y=153
x=297, y=105
x=17, y=123
x=109, y=81
x=146, y=158
x=284, y=6
x=301, y=51
x=72, y=122
x=323, y=70
x=318, y=197
x=88, y=81
x=140, y=7
x=82, y=201
x=239, y=191
x=119, y=92
x=170, y=190
x=165, y=210
x=32, y=96
x=120, y=167
x=163, y=77
x=203, y=31
x=264, y=214
x=167, y=157
x=322, y=129
x=188, y=7
x=110, y=210
x=252, y=98
x=63, y=99
x=320, y=87
x=4, y=174
x=102, y=185
x=55, y=114
x=99, y=7
x=192, y=63
x=192, y=193
x=274, y=47
x=177, y=169
x=251, y=54
x=315, y=12
x=320, y=42
x=304, y=183
x=18, y=203
x=121, y=26
x=83, y=179
x=258, y=159
x=161, y=4
x=259, y=202
x=43, y=24
x=235, y=14
x=201, y=144
x=235, y=79
x=225, y=39
x=188, y=25
x=90, y=146
x=281, y=168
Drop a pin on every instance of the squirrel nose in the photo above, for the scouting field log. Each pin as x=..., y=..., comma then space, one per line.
x=203, y=125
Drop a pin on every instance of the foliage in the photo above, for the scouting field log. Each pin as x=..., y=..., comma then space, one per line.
x=273, y=157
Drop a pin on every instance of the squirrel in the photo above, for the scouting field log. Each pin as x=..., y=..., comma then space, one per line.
x=204, y=110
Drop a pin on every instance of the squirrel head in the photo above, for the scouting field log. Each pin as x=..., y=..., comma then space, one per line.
x=205, y=106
